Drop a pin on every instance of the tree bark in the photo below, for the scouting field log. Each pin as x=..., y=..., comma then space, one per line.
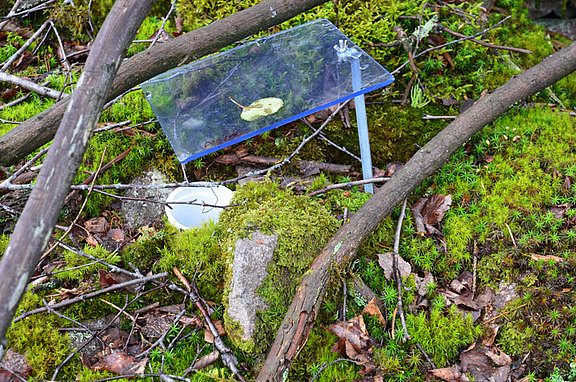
x=341, y=249
x=40, y=129
x=34, y=228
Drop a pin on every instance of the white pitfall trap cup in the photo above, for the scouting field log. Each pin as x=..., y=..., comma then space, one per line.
x=235, y=95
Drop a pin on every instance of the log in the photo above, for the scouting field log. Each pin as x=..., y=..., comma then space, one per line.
x=342, y=248
x=34, y=228
x=40, y=129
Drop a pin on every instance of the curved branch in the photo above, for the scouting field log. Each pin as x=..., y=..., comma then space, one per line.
x=341, y=249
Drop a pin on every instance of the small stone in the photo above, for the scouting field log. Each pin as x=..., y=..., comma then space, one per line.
x=137, y=213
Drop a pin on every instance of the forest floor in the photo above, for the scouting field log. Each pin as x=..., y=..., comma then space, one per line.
x=487, y=244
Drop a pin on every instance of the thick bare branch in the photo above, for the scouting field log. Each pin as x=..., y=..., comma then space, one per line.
x=34, y=228
x=341, y=249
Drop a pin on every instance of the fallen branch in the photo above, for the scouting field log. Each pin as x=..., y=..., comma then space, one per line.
x=341, y=249
x=347, y=185
x=31, y=86
x=35, y=226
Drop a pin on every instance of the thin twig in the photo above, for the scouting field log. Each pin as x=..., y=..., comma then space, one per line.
x=26, y=166
x=106, y=106
x=449, y=43
x=484, y=43
x=88, y=296
x=25, y=46
x=81, y=208
x=227, y=356
x=348, y=184
x=159, y=32
x=397, y=270
x=326, y=365
x=294, y=153
x=64, y=60
x=428, y=116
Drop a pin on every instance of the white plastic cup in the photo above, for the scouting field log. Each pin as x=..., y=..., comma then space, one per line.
x=185, y=216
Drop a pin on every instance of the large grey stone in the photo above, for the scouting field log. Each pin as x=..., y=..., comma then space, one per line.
x=137, y=213
x=249, y=269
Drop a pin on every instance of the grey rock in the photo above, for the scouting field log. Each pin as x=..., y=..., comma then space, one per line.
x=138, y=214
x=249, y=269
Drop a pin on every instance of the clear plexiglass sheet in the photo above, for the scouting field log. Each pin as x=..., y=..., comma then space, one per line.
x=298, y=70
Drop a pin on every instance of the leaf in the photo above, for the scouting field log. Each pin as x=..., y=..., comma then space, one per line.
x=385, y=260
x=118, y=362
x=96, y=225
x=261, y=108
x=372, y=309
x=207, y=360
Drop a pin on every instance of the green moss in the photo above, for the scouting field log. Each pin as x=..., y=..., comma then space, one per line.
x=318, y=352
x=303, y=227
x=514, y=337
x=38, y=338
x=78, y=267
x=197, y=253
x=443, y=335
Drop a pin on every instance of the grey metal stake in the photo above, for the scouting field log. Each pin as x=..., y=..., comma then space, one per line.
x=361, y=120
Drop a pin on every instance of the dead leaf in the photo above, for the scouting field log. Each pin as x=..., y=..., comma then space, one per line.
x=385, y=261
x=428, y=213
x=209, y=337
x=568, y=182
x=450, y=374
x=91, y=240
x=423, y=282
x=96, y=225
x=392, y=168
x=17, y=363
x=207, y=360
x=106, y=279
x=479, y=364
x=559, y=210
x=556, y=259
x=372, y=309
x=499, y=357
x=354, y=342
x=118, y=362
x=116, y=235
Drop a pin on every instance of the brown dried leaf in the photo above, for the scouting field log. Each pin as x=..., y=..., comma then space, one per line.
x=91, y=240
x=556, y=259
x=477, y=363
x=207, y=360
x=559, y=210
x=117, y=235
x=17, y=363
x=96, y=225
x=568, y=182
x=106, y=279
x=423, y=282
x=118, y=362
x=385, y=260
x=372, y=309
x=450, y=374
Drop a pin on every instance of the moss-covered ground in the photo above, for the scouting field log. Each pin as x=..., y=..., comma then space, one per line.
x=512, y=220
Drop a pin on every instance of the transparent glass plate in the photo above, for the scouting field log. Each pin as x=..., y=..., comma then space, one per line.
x=198, y=105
